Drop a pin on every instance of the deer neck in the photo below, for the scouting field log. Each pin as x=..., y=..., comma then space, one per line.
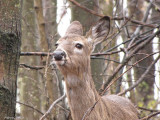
x=81, y=93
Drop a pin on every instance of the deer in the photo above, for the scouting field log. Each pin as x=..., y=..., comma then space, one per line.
x=72, y=57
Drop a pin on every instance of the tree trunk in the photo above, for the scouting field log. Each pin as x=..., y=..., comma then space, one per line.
x=46, y=18
x=9, y=57
x=145, y=90
x=87, y=20
x=30, y=80
x=9, y=62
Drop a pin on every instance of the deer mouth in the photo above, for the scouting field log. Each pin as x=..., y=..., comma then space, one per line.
x=59, y=57
x=60, y=62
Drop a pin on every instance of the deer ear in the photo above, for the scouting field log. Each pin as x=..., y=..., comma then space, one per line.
x=99, y=31
x=75, y=28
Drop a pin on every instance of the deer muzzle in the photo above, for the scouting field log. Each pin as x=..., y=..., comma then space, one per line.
x=59, y=55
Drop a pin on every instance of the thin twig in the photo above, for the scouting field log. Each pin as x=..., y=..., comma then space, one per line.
x=86, y=9
x=31, y=67
x=50, y=54
x=137, y=31
x=90, y=110
x=128, y=70
x=52, y=106
x=146, y=109
x=115, y=18
x=108, y=53
x=141, y=78
x=30, y=107
x=35, y=54
x=149, y=116
x=128, y=57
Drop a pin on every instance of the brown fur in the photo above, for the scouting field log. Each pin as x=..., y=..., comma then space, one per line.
x=81, y=92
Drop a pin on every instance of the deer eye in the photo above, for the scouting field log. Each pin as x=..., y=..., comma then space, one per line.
x=56, y=45
x=79, y=46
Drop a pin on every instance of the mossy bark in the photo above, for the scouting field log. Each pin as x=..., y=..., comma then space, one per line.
x=9, y=61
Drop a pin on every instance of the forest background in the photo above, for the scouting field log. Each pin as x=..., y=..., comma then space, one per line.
x=126, y=63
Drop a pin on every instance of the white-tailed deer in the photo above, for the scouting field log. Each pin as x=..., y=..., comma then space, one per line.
x=72, y=57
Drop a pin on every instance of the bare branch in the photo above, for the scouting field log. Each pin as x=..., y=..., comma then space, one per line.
x=115, y=18
x=137, y=31
x=90, y=110
x=46, y=53
x=52, y=106
x=142, y=77
x=128, y=70
x=149, y=116
x=86, y=9
x=146, y=109
x=35, y=53
x=30, y=107
x=31, y=67
x=128, y=57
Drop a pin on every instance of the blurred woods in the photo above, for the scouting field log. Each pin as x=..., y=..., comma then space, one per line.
x=126, y=63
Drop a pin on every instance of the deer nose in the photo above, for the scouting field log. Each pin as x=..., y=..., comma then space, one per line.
x=59, y=54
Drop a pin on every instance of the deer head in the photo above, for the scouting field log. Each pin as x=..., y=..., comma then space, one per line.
x=73, y=50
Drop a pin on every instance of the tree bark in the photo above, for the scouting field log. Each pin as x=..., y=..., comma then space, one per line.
x=30, y=80
x=9, y=62
x=9, y=57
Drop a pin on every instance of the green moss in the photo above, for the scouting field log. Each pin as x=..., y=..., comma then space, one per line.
x=10, y=52
x=5, y=96
x=8, y=41
x=143, y=87
x=140, y=104
x=5, y=101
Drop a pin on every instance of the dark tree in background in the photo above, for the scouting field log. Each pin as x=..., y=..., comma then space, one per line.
x=9, y=56
x=87, y=20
